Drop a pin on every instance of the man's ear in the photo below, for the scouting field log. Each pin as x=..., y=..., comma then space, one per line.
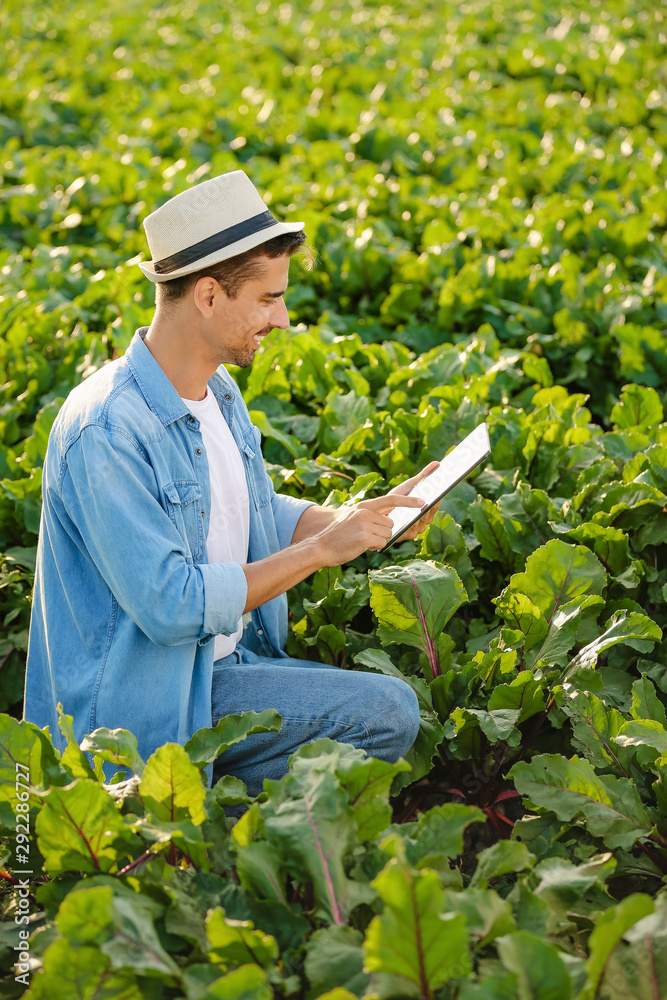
x=205, y=292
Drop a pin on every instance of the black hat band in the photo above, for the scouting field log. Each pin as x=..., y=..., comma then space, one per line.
x=216, y=242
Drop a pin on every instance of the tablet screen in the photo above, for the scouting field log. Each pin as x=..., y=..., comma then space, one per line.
x=452, y=469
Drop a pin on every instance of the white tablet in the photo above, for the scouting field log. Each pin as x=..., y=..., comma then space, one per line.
x=452, y=469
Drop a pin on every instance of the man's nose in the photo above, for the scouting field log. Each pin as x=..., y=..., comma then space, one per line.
x=279, y=317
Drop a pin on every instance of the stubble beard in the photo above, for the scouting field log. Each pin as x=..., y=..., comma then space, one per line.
x=242, y=357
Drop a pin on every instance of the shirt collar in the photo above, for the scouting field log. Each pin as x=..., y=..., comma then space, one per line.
x=158, y=391
x=160, y=394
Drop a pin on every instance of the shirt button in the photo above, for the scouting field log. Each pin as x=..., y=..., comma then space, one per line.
x=260, y=631
x=227, y=396
x=198, y=451
x=202, y=514
x=191, y=420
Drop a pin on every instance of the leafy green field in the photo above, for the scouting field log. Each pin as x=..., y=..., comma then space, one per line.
x=484, y=185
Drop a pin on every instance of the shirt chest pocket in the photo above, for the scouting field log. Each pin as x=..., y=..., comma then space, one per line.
x=258, y=481
x=184, y=507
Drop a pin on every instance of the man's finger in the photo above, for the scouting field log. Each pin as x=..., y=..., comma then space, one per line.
x=431, y=467
x=390, y=501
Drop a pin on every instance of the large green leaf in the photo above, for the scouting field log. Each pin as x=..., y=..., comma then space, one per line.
x=639, y=406
x=413, y=946
x=22, y=743
x=310, y=825
x=171, y=786
x=610, y=806
x=236, y=942
x=206, y=745
x=334, y=959
x=557, y=574
x=367, y=783
x=413, y=603
x=539, y=967
x=82, y=973
x=79, y=828
x=645, y=733
x=622, y=627
x=608, y=931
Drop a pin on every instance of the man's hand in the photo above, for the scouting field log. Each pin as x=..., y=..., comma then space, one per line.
x=402, y=489
x=357, y=529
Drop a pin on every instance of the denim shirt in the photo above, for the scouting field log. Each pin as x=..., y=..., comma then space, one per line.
x=126, y=604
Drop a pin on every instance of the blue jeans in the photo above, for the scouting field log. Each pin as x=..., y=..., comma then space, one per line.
x=376, y=713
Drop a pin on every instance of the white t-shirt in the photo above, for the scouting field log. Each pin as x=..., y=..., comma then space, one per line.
x=229, y=525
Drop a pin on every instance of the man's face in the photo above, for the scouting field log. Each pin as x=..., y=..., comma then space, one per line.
x=240, y=324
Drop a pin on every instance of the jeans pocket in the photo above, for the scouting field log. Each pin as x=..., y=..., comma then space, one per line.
x=184, y=507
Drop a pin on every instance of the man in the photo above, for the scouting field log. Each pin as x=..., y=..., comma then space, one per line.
x=164, y=552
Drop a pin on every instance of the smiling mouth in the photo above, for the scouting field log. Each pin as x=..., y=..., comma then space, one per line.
x=257, y=339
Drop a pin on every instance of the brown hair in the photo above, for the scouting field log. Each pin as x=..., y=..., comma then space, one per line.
x=233, y=273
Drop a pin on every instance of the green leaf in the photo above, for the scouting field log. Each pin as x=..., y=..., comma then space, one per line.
x=267, y=429
x=639, y=406
x=413, y=603
x=490, y=530
x=72, y=757
x=609, y=544
x=367, y=783
x=23, y=743
x=309, y=824
x=623, y=626
x=248, y=982
x=610, y=806
x=504, y=857
x=261, y=871
x=437, y=835
x=82, y=973
x=539, y=967
x=236, y=942
x=523, y=694
x=413, y=946
x=645, y=702
x=646, y=733
x=118, y=746
x=334, y=959
x=557, y=574
x=171, y=786
x=523, y=615
x=85, y=917
x=207, y=744
x=135, y=943
x=609, y=928
x=77, y=828
x=443, y=542
x=487, y=915
x=563, y=630
x=594, y=727
x=563, y=884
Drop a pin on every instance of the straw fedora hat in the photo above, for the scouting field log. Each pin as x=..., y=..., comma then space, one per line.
x=208, y=223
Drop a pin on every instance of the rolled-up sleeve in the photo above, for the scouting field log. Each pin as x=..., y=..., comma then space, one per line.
x=286, y=513
x=111, y=501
